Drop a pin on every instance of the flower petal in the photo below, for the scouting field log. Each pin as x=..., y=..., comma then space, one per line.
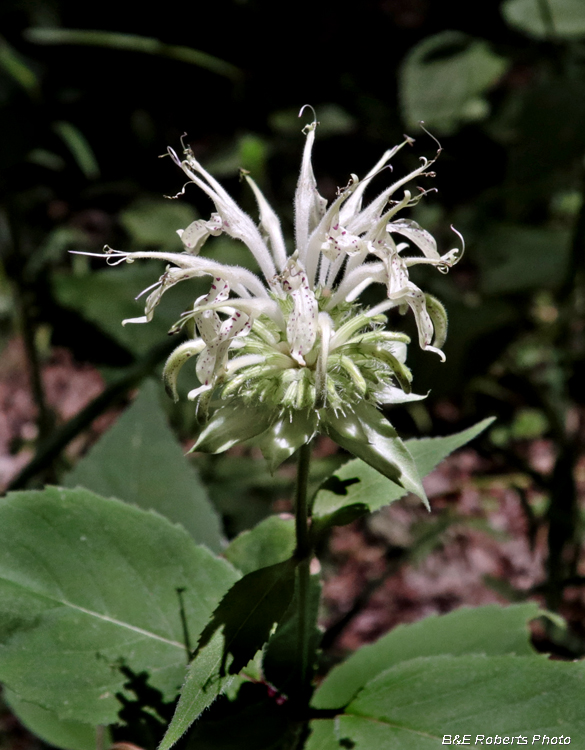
x=309, y=205
x=301, y=328
x=236, y=222
x=196, y=234
x=270, y=223
x=415, y=233
x=176, y=360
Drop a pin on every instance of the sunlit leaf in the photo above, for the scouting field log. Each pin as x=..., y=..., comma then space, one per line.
x=372, y=491
x=413, y=705
x=366, y=433
x=270, y=542
x=231, y=424
x=286, y=436
x=89, y=585
x=491, y=630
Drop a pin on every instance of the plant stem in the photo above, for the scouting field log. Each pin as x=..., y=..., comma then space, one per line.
x=304, y=547
x=303, y=555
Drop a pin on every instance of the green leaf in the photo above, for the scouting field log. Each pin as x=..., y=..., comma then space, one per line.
x=323, y=736
x=18, y=68
x=248, y=612
x=429, y=452
x=106, y=298
x=80, y=149
x=140, y=461
x=67, y=735
x=233, y=423
x=514, y=258
x=373, y=490
x=281, y=663
x=413, y=705
x=252, y=721
x=134, y=43
x=367, y=434
x=205, y=682
x=492, y=630
x=88, y=585
x=555, y=18
x=285, y=436
x=240, y=626
x=154, y=222
x=270, y=542
x=444, y=78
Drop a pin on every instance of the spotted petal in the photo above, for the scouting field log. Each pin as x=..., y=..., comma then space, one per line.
x=301, y=329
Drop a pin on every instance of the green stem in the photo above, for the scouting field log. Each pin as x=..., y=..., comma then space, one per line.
x=304, y=547
x=303, y=553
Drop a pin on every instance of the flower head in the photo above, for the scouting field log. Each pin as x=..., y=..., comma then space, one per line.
x=286, y=355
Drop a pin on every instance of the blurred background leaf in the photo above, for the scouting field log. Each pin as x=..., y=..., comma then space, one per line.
x=546, y=18
x=444, y=79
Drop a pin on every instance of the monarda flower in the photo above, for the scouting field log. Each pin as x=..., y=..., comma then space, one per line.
x=281, y=358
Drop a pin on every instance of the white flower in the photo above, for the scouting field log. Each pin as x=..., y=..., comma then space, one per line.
x=296, y=342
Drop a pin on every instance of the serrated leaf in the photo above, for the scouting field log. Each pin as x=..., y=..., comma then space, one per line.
x=140, y=461
x=248, y=612
x=203, y=685
x=66, y=735
x=270, y=542
x=429, y=452
x=413, y=705
x=240, y=626
x=491, y=630
x=567, y=16
x=367, y=434
x=374, y=490
x=444, y=79
x=88, y=584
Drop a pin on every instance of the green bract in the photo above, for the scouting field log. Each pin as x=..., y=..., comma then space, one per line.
x=282, y=358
